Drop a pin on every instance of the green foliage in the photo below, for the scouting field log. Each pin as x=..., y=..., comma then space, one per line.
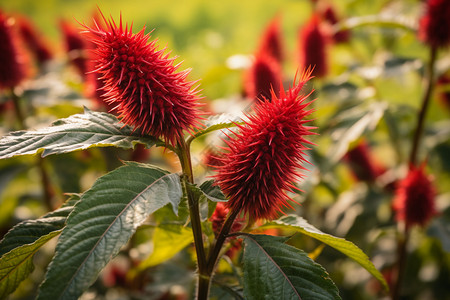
x=275, y=270
x=103, y=221
x=17, y=264
x=80, y=131
x=299, y=224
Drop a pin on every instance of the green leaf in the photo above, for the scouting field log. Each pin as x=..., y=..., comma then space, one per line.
x=212, y=192
x=103, y=221
x=346, y=247
x=29, y=231
x=168, y=240
x=275, y=270
x=80, y=131
x=386, y=20
x=218, y=122
x=17, y=264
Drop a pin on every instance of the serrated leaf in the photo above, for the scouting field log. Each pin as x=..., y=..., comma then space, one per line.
x=103, y=221
x=168, y=240
x=29, y=231
x=299, y=224
x=275, y=270
x=77, y=132
x=218, y=122
x=17, y=264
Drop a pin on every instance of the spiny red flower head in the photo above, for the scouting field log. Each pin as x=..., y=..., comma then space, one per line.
x=75, y=46
x=434, y=26
x=330, y=16
x=34, y=42
x=312, y=45
x=414, y=199
x=272, y=41
x=262, y=76
x=265, y=156
x=364, y=167
x=219, y=216
x=12, y=60
x=142, y=82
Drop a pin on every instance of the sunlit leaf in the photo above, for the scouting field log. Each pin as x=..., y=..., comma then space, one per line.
x=218, y=122
x=168, y=240
x=80, y=131
x=275, y=270
x=299, y=224
x=17, y=264
x=103, y=221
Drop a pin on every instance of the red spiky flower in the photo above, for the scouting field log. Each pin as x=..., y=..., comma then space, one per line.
x=272, y=41
x=362, y=164
x=414, y=199
x=434, y=25
x=312, y=44
x=266, y=154
x=12, y=60
x=262, y=76
x=34, y=41
x=142, y=82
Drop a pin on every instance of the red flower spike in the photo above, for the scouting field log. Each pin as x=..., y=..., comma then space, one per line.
x=363, y=166
x=75, y=46
x=414, y=199
x=261, y=78
x=434, y=26
x=35, y=43
x=264, y=157
x=142, y=83
x=329, y=15
x=312, y=45
x=12, y=60
x=271, y=41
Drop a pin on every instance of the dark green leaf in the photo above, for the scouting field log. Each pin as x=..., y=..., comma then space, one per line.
x=346, y=247
x=275, y=270
x=103, y=221
x=80, y=131
x=16, y=265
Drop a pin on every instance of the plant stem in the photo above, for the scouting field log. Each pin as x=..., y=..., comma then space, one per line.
x=194, y=212
x=401, y=262
x=47, y=189
x=423, y=109
x=214, y=254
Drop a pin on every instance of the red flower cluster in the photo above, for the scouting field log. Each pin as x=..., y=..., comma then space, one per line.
x=265, y=155
x=142, y=83
x=272, y=41
x=12, y=60
x=363, y=166
x=75, y=46
x=414, y=199
x=34, y=42
x=312, y=44
x=330, y=16
x=262, y=77
x=434, y=26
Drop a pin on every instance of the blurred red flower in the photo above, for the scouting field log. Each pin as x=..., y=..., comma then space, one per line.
x=76, y=47
x=34, y=41
x=12, y=59
x=263, y=76
x=313, y=47
x=272, y=41
x=362, y=164
x=434, y=26
x=414, y=199
x=264, y=157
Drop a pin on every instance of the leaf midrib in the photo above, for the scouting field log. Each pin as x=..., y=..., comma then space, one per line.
x=102, y=236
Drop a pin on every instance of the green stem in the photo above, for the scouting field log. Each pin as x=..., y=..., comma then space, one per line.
x=194, y=212
x=423, y=110
x=401, y=262
x=47, y=189
x=214, y=254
